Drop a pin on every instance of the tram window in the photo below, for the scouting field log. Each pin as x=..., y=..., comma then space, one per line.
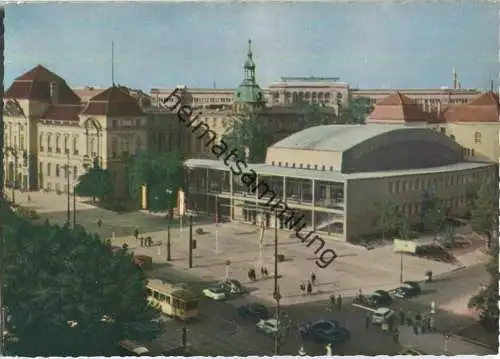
x=150, y=293
x=156, y=295
x=162, y=297
x=167, y=299
x=176, y=303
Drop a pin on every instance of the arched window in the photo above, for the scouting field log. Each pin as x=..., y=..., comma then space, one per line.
x=49, y=142
x=40, y=142
x=58, y=170
x=75, y=172
x=58, y=143
x=40, y=168
x=66, y=144
x=93, y=148
x=75, y=145
x=477, y=137
x=114, y=147
x=49, y=168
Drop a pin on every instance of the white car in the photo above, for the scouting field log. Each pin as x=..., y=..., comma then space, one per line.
x=215, y=293
x=382, y=315
x=268, y=326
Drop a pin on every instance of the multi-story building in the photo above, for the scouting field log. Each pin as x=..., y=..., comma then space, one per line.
x=330, y=178
x=51, y=133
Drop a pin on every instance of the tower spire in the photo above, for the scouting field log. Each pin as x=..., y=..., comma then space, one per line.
x=113, y=63
x=455, y=78
x=250, y=54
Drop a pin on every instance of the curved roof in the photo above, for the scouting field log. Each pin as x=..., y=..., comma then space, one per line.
x=334, y=138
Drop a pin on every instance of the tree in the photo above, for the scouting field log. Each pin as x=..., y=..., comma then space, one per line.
x=162, y=173
x=387, y=217
x=68, y=294
x=403, y=227
x=434, y=213
x=95, y=183
x=313, y=114
x=356, y=111
x=249, y=131
x=485, y=302
x=484, y=212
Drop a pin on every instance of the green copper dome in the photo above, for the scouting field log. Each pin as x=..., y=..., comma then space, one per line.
x=249, y=91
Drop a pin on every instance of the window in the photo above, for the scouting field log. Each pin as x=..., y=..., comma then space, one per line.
x=391, y=187
x=49, y=143
x=323, y=168
x=75, y=146
x=315, y=167
x=300, y=166
x=40, y=168
x=286, y=164
x=115, y=124
x=477, y=137
x=40, y=142
x=331, y=168
x=396, y=186
x=58, y=170
x=452, y=137
x=49, y=168
x=58, y=144
x=472, y=152
x=272, y=163
x=66, y=144
x=279, y=164
x=75, y=172
x=308, y=166
x=93, y=148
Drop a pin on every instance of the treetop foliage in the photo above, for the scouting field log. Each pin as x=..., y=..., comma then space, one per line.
x=69, y=294
x=96, y=183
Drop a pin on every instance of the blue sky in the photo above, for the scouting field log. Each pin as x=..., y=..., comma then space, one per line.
x=413, y=45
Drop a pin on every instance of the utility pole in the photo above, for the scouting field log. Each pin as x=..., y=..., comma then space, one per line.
x=13, y=152
x=169, y=254
x=401, y=268
x=2, y=198
x=68, y=209
x=277, y=294
x=74, y=206
x=190, y=241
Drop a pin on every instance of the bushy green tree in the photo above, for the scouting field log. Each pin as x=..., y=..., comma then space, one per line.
x=162, y=173
x=434, y=213
x=484, y=212
x=387, y=219
x=356, y=110
x=95, y=183
x=249, y=131
x=485, y=302
x=68, y=294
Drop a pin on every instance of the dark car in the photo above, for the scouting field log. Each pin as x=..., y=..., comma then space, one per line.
x=324, y=332
x=380, y=298
x=407, y=290
x=256, y=311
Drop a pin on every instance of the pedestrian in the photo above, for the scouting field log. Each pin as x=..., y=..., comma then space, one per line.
x=99, y=223
x=360, y=295
x=136, y=233
x=432, y=324
x=262, y=271
x=142, y=241
x=266, y=273
x=184, y=337
x=309, y=288
x=29, y=198
x=339, y=302
x=395, y=336
x=302, y=288
x=313, y=279
x=401, y=316
x=332, y=300
x=418, y=318
x=409, y=319
x=368, y=320
x=150, y=241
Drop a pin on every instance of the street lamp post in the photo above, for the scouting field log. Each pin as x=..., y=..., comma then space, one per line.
x=74, y=206
x=227, y=263
x=169, y=245
x=276, y=294
x=216, y=224
x=68, y=209
x=401, y=266
x=13, y=152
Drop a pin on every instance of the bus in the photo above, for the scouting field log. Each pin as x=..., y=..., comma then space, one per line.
x=173, y=300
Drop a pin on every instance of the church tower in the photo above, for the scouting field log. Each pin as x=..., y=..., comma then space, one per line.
x=248, y=94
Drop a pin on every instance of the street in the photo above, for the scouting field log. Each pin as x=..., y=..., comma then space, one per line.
x=220, y=331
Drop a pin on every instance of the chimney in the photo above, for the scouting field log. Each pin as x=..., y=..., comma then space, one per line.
x=54, y=94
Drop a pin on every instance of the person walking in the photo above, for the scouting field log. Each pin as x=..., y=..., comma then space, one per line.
x=136, y=233
x=368, y=320
x=395, y=335
x=302, y=288
x=309, y=288
x=313, y=279
x=142, y=241
x=184, y=337
x=99, y=223
x=332, y=300
x=339, y=302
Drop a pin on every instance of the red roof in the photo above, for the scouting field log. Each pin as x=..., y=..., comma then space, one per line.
x=113, y=102
x=63, y=113
x=36, y=85
x=398, y=108
x=485, y=108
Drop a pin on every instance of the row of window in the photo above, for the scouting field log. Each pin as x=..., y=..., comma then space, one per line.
x=213, y=99
x=445, y=181
x=57, y=148
x=410, y=209
x=126, y=123
x=303, y=166
x=59, y=170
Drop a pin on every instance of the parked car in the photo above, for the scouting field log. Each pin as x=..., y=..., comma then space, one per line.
x=232, y=286
x=268, y=326
x=382, y=315
x=255, y=311
x=215, y=293
x=380, y=298
x=407, y=290
x=324, y=332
